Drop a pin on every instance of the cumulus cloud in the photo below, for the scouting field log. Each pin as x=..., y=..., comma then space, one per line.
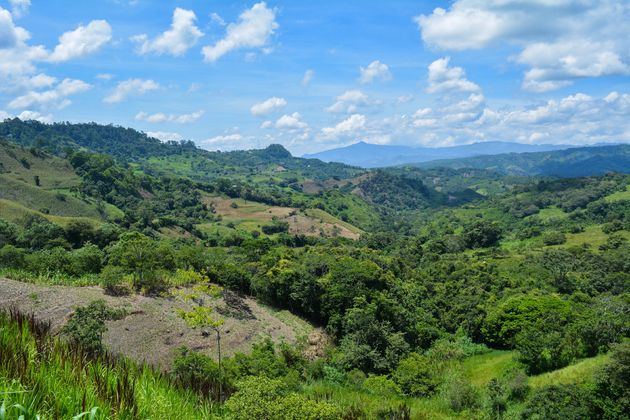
x=130, y=87
x=225, y=141
x=443, y=78
x=19, y=8
x=268, y=106
x=253, y=30
x=348, y=127
x=32, y=115
x=351, y=101
x=308, y=77
x=8, y=31
x=82, y=41
x=165, y=136
x=560, y=40
x=56, y=97
x=375, y=70
x=291, y=122
x=183, y=35
x=160, y=117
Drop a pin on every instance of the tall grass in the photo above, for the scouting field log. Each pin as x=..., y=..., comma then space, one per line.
x=55, y=379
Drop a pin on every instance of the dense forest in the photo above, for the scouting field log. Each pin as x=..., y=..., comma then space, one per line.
x=457, y=292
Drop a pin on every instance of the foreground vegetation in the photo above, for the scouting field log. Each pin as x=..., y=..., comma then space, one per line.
x=469, y=294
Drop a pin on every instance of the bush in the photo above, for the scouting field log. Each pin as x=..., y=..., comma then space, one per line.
x=462, y=395
x=114, y=281
x=86, y=260
x=543, y=351
x=612, y=384
x=200, y=373
x=559, y=402
x=380, y=385
x=263, y=398
x=12, y=257
x=275, y=227
x=554, y=238
x=455, y=348
x=87, y=325
x=414, y=376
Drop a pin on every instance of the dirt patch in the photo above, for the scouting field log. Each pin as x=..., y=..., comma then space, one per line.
x=153, y=331
x=239, y=211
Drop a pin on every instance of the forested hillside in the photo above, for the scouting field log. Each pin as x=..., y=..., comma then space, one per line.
x=398, y=293
x=579, y=161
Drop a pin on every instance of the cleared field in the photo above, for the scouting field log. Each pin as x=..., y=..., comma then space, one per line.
x=153, y=330
x=249, y=216
x=482, y=368
x=619, y=196
x=580, y=372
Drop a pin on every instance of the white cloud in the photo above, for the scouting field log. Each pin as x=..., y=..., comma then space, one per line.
x=268, y=106
x=4, y=115
x=308, y=77
x=351, y=101
x=161, y=117
x=223, y=140
x=183, y=35
x=165, y=136
x=403, y=99
x=56, y=98
x=348, y=127
x=561, y=40
x=8, y=31
x=32, y=115
x=130, y=87
x=443, y=78
x=82, y=41
x=104, y=76
x=253, y=29
x=216, y=18
x=375, y=70
x=19, y=8
x=291, y=122
x=266, y=124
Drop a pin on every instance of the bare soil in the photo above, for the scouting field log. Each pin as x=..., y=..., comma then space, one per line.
x=152, y=330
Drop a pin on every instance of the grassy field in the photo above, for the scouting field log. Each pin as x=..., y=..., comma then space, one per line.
x=619, y=196
x=580, y=372
x=248, y=216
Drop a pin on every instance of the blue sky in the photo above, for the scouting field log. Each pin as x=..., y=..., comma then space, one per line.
x=316, y=75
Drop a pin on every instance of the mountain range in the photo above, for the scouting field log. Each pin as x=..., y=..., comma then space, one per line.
x=368, y=155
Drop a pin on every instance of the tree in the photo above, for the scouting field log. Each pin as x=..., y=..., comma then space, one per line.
x=201, y=316
x=482, y=234
x=137, y=254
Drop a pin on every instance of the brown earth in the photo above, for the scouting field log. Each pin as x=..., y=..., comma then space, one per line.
x=152, y=330
x=298, y=223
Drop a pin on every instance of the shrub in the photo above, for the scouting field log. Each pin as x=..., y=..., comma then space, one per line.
x=461, y=395
x=380, y=385
x=263, y=398
x=558, y=402
x=86, y=260
x=87, y=325
x=414, y=376
x=542, y=351
x=12, y=257
x=554, y=238
x=114, y=281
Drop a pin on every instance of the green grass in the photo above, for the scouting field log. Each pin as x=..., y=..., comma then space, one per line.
x=619, y=196
x=580, y=372
x=13, y=212
x=550, y=213
x=53, y=172
x=329, y=218
x=55, y=379
x=481, y=369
